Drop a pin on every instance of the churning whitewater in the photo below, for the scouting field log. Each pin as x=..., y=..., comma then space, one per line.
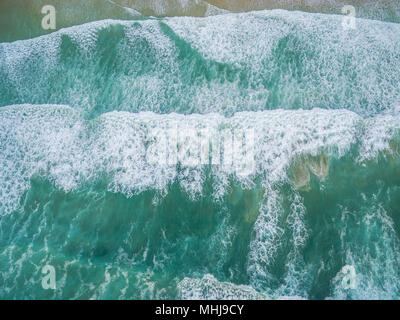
x=310, y=209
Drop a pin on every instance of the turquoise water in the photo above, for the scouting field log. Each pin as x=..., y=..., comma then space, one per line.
x=78, y=191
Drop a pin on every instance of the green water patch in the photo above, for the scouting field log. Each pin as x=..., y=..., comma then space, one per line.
x=168, y=65
x=22, y=19
x=354, y=220
x=105, y=245
x=91, y=232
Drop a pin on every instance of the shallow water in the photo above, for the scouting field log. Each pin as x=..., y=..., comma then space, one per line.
x=280, y=177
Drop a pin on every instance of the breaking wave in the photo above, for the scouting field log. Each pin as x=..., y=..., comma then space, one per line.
x=237, y=156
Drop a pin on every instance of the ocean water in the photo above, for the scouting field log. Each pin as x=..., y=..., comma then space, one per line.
x=207, y=155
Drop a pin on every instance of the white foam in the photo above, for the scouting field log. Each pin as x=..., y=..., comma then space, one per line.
x=374, y=265
x=209, y=288
x=56, y=141
x=336, y=68
x=379, y=132
x=58, y=144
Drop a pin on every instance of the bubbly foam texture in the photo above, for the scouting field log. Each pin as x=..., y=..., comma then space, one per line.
x=58, y=144
x=226, y=63
x=209, y=288
x=250, y=63
x=370, y=278
x=56, y=141
x=380, y=131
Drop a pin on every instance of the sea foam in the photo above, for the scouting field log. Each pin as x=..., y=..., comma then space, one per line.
x=57, y=142
x=225, y=63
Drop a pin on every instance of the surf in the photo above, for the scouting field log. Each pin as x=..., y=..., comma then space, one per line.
x=249, y=155
x=292, y=60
